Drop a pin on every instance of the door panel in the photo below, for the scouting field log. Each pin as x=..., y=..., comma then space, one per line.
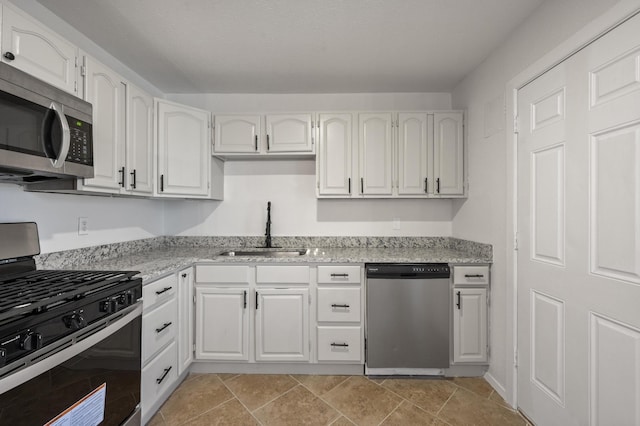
x=579, y=237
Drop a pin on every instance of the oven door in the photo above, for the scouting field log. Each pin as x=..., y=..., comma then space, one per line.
x=94, y=381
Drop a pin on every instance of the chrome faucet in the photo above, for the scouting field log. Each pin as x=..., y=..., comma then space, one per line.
x=267, y=240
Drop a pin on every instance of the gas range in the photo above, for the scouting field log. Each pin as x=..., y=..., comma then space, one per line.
x=70, y=341
x=38, y=308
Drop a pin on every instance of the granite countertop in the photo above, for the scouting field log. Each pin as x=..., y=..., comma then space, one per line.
x=161, y=261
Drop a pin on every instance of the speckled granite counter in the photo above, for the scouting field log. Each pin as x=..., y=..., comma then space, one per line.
x=156, y=257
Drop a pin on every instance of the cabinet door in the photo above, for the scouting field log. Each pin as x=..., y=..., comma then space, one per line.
x=334, y=155
x=282, y=324
x=470, y=325
x=376, y=162
x=139, y=141
x=106, y=91
x=222, y=325
x=448, y=153
x=413, y=155
x=184, y=152
x=237, y=134
x=38, y=51
x=185, y=319
x=289, y=133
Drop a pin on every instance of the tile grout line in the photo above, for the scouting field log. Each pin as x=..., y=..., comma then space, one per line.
x=240, y=401
x=446, y=402
x=340, y=413
x=273, y=399
x=206, y=411
x=392, y=411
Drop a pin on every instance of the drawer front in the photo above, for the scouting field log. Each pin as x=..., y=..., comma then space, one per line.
x=158, y=328
x=159, y=291
x=338, y=274
x=222, y=274
x=471, y=275
x=163, y=369
x=339, y=344
x=339, y=304
x=282, y=274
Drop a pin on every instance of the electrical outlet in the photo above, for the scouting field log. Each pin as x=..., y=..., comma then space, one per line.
x=83, y=226
x=396, y=223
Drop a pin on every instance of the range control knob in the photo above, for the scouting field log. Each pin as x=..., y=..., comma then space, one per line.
x=75, y=321
x=30, y=341
x=109, y=306
x=3, y=357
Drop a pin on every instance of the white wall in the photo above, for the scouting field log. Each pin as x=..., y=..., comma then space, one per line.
x=290, y=184
x=485, y=215
x=110, y=219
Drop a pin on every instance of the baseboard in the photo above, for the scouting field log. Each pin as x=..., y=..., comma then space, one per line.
x=498, y=387
x=276, y=368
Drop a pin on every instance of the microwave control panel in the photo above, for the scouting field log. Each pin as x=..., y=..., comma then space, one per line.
x=81, y=144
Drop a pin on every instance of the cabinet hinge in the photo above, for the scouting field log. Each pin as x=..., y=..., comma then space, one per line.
x=515, y=358
x=75, y=86
x=194, y=299
x=194, y=348
x=83, y=70
x=516, y=130
x=515, y=242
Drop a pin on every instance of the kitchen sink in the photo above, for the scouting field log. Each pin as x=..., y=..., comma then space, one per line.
x=265, y=253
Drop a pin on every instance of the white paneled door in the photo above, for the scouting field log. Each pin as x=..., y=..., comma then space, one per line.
x=579, y=237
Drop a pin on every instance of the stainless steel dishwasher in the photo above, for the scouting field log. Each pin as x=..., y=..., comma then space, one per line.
x=407, y=321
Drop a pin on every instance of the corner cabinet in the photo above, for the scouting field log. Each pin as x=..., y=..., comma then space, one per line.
x=183, y=138
x=470, y=302
x=36, y=50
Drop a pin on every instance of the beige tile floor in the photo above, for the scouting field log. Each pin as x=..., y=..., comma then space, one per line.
x=232, y=399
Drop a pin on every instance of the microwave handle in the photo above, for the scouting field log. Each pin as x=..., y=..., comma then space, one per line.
x=66, y=136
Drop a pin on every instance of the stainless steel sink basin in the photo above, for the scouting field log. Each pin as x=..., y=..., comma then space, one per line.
x=265, y=253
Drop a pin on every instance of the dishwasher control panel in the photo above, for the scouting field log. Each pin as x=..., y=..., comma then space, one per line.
x=408, y=270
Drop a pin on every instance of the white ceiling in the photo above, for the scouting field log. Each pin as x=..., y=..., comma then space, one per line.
x=297, y=46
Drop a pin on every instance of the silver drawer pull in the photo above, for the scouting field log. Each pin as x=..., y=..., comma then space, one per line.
x=339, y=275
x=165, y=325
x=336, y=305
x=164, y=290
x=340, y=345
x=473, y=275
x=166, y=371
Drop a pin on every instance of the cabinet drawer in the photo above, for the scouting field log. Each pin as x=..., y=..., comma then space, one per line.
x=282, y=274
x=159, y=291
x=338, y=274
x=339, y=304
x=339, y=344
x=158, y=376
x=158, y=328
x=471, y=275
x=222, y=274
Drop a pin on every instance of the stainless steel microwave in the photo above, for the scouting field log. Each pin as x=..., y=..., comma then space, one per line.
x=45, y=133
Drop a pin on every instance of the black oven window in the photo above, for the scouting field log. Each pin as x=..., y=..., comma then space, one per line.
x=114, y=361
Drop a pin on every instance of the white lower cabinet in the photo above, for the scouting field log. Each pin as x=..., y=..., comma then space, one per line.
x=282, y=324
x=157, y=379
x=165, y=329
x=470, y=331
x=185, y=317
x=339, y=343
x=222, y=324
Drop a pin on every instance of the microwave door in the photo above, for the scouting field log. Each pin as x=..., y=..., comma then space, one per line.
x=55, y=135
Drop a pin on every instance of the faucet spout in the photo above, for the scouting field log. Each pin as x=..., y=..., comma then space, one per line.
x=267, y=240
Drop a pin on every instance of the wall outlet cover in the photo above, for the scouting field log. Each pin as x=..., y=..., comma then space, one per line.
x=83, y=226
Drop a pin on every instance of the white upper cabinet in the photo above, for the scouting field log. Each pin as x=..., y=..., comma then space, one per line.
x=448, y=153
x=376, y=147
x=335, y=147
x=106, y=91
x=289, y=133
x=237, y=134
x=139, y=141
x=36, y=50
x=184, y=151
x=413, y=154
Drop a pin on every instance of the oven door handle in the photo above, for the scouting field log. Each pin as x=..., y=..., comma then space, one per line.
x=57, y=158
